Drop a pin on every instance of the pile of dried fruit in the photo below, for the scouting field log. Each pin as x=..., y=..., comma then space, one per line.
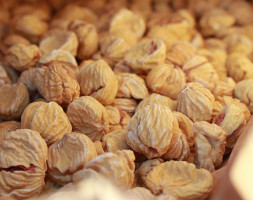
x=150, y=94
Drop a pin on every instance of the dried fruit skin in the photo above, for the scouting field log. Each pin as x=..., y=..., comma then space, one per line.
x=150, y=130
x=89, y=117
x=48, y=119
x=22, y=57
x=118, y=166
x=243, y=91
x=68, y=155
x=145, y=55
x=210, y=141
x=181, y=180
x=23, y=155
x=14, y=98
x=131, y=86
x=141, y=193
x=115, y=140
x=196, y=102
x=224, y=87
x=99, y=148
x=99, y=81
x=27, y=78
x=9, y=126
x=157, y=99
x=4, y=78
x=56, y=83
x=166, y=80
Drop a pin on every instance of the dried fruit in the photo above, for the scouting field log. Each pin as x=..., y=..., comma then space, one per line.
x=14, y=98
x=145, y=55
x=99, y=148
x=210, y=141
x=87, y=38
x=167, y=80
x=68, y=155
x=99, y=81
x=48, y=119
x=232, y=120
x=151, y=129
x=157, y=99
x=131, y=86
x=224, y=87
x=141, y=193
x=9, y=126
x=196, y=102
x=4, y=78
x=181, y=180
x=56, y=83
x=118, y=167
x=22, y=57
x=89, y=117
x=125, y=104
x=27, y=78
x=115, y=140
x=23, y=155
x=59, y=39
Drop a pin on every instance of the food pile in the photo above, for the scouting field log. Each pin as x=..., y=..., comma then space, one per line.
x=151, y=94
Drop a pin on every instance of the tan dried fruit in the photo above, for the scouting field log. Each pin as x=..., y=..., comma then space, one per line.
x=157, y=99
x=13, y=39
x=227, y=100
x=99, y=148
x=4, y=78
x=210, y=141
x=196, y=102
x=145, y=55
x=115, y=140
x=55, y=82
x=180, y=52
x=239, y=67
x=131, y=86
x=87, y=38
x=198, y=69
x=9, y=126
x=239, y=43
x=60, y=56
x=76, y=12
x=141, y=193
x=118, y=118
x=232, y=120
x=30, y=26
x=217, y=108
x=121, y=67
x=167, y=80
x=217, y=57
x=99, y=81
x=224, y=87
x=68, y=155
x=23, y=155
x=48, y=119
x=129, y=20
x=185, y=125
x=151, y=129
x=181, y=180
x=118, y=167
x=59, y=24
x=12, y=73
x=89, y=117
x=215, y=43
x=85, y=174
x=59, y=39
x=125, y=104
x=27, y=78
x=215, y=21
x=22, y=57
x=14, y=98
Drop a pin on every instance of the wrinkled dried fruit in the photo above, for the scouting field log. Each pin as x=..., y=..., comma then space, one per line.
x=115, y=140
x=131, y=86
x=125, y=104
x=23, y=155
x=181, y=180
x=210, y=141
x=68, y=155
x=89, y=117
x=167, y=80
x=99, y=148
x=118, y=167
x=14, y=99
x=56, y=83
x=27, y=78
x=141, y=193
x=224, y=87
x=99, y=81
x=9, y=126
x=22, y=57
x=196, y=102
x=4, y=78
x=48, y=119
x=157, y=99
x=145, y=55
